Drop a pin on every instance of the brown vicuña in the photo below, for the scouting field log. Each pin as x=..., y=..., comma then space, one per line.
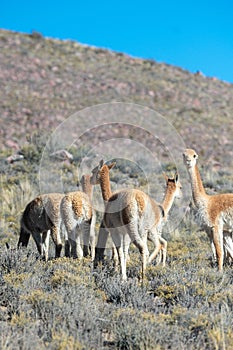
x=78, y=217
x=100, y=176
x=214, y=211
x=40, y=217
x=132, y=216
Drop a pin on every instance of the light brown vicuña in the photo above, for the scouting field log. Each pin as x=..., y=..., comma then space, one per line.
x=173, y=190
x=41, y=216
x=214, y=211
x=130, y=215
x=100, y=176
x=77, y=215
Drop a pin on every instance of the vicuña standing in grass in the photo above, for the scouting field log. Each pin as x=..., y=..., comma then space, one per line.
x=173, y=190
x=215, y=211
x=100, y=176
x=131, y=215
x=77, y=214
x=40, y=217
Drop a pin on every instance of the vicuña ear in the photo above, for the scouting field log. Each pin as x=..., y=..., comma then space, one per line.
x=101, y=163
x=111, y=165
x=176, y=177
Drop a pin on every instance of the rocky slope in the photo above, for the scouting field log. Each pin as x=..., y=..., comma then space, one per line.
x=44, y=81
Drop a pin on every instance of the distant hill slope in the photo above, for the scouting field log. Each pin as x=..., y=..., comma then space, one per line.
x=45, y=80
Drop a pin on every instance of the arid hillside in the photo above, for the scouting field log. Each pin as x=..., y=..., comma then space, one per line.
x=44, y=81
x=71, y=304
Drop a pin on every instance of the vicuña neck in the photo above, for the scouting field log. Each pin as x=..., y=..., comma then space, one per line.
x=87, y=187
x=105, y=184
x=168, y=200
x=198, y=191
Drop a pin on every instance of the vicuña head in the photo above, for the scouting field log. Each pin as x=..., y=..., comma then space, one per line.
x=100, y=176
x=100, y=170
x=190, y=158
x=173, y=185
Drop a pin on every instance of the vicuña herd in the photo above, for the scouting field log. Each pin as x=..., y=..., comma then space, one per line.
x=130, y=215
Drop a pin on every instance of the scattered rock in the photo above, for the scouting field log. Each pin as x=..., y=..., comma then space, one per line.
x=14, y=158
x=12, y=144
x=62, y=155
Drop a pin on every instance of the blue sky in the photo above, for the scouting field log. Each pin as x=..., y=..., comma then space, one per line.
x=194, y=35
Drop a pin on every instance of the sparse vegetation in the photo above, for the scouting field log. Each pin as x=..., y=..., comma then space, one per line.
x=64, y=303
x=186, y=305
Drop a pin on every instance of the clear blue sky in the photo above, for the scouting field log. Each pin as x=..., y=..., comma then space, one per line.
x=194, y=35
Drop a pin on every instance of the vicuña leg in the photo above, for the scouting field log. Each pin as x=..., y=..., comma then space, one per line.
x=156, y=239
x=56, y=237
x=218, y=243
x=23, y=238
x=101, y=244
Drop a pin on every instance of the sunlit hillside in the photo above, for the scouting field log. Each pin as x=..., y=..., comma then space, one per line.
x=66, y=303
